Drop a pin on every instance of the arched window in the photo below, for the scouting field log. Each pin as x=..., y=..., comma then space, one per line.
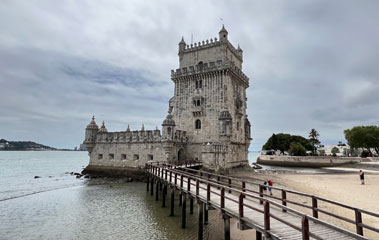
x=198, y=124
x=168, y=130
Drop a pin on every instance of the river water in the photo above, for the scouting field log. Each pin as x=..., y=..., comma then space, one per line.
x=57, y=205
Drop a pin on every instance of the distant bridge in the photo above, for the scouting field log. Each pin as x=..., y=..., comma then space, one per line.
x=268, y=215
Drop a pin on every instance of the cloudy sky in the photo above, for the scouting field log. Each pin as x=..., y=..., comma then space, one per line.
x=312, y=64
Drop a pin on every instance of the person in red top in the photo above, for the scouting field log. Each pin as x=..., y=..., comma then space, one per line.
x=270, y=183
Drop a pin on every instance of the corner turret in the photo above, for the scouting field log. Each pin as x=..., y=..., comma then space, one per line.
x=91, y=133
x=168, y=127
x=223, y=34
x=182, y=45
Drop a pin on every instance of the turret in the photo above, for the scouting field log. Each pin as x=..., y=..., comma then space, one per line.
x=223, y=34
x=168, y=127
x=225, y=123
x=239, y=51
x=182, y=45
x=103, y=128
x=91, y=133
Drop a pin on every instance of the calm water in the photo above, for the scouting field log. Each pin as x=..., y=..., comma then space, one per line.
x=59, y=206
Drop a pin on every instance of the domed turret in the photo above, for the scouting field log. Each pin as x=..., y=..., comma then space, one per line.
x=225, y=123
x=168, y=121
x=223, y=34
x=91, y=133
x=103, y=128
x=168, y=127
x=92, y=124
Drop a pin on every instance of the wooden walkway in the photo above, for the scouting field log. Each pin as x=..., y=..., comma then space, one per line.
x=253, y=209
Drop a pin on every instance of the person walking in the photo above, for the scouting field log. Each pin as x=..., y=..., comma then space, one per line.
x=270, y=183
x=362, y=177
x=264, y=186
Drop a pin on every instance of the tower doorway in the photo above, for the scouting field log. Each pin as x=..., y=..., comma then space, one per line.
x=180, y=156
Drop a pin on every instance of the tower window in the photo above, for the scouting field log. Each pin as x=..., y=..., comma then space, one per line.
x=123, y=156
x=199, y=84
x=136, y=157
x=100, y=156
x=111, y=156
x=198, y=103
x=198, y=124
x=168, y=130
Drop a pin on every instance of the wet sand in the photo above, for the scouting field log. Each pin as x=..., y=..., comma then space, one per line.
x=342, y=187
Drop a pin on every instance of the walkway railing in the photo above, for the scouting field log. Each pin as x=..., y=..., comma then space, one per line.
x=217, y=186
x=315, y=206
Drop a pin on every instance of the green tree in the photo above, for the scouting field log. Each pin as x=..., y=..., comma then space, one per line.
x=334, y=151
x=297, y=149
x=282, y=141
x=313, y=138
x=366, y=137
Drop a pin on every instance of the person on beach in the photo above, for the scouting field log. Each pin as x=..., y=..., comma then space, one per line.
x=264, y=186
x=362, y=177
x=270, y=183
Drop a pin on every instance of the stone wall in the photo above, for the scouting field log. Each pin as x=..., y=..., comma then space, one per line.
x=306, y=161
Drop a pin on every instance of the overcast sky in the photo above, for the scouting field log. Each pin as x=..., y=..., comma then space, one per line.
x=311, y=64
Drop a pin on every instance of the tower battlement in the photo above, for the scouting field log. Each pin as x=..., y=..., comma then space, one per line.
x=210, y=67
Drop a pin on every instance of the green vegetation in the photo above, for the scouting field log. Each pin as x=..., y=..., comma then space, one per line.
x=283, y=142
x=297, y=149
x=22, y=146
x=366, y=137
x=313, y=138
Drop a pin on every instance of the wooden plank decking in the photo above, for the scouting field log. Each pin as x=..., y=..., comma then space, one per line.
x=277, y=222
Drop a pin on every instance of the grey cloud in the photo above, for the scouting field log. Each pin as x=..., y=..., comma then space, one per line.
x=312, y=64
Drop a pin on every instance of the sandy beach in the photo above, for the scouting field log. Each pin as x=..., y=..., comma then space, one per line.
x=344, y=187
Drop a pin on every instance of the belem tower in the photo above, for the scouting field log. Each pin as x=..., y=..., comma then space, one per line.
x=206, y=119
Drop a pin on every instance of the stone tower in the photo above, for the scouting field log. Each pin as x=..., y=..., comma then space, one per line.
x=209, y=102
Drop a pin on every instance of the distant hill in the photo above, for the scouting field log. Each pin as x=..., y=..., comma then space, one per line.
x=22, y=146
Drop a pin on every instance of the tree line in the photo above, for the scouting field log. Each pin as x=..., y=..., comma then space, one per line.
x=363, y=137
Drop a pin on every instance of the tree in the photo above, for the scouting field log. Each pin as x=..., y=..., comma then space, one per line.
x=334, y=151
x=313, y=138
x=366, y=137
x=297, y=149
x=282, y=142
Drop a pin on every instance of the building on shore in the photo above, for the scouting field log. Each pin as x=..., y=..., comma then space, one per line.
x=206, y=118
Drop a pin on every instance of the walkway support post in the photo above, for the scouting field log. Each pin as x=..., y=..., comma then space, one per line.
x=184, y=208
x=164, y=195
x=205, y=215
x=191, y=205
x=305, y=228
x=226, y=227
x=157, y=191
x=172, y=202
x=200, y=220
x=148, y=183
x=152, y=187
x=267, y=219
x=261, y=194
x=258, y=235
